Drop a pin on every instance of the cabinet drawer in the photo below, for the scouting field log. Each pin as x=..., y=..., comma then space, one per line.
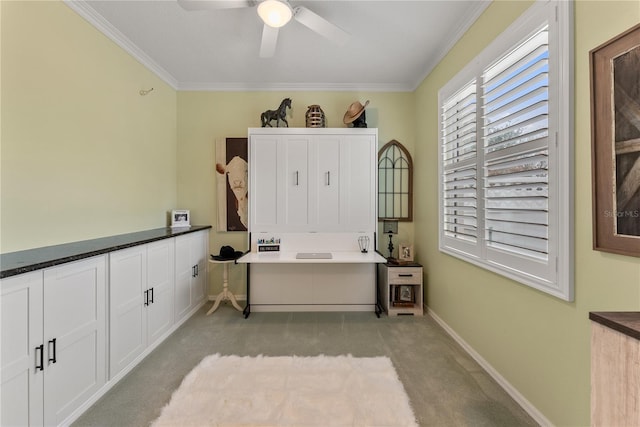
x=405, y=275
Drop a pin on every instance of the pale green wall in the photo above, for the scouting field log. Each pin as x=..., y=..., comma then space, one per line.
x=205, y=116
x=540, y=344
x=83, y=154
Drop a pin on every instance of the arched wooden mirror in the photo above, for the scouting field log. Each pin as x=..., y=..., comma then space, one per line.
x=395, y=182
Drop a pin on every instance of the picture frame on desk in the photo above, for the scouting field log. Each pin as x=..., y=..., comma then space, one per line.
x=180, y=218
x=405, y=252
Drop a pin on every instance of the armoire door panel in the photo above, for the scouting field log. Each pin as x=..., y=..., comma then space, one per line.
x=325, y=169
x=263, y=191
x=296, y=201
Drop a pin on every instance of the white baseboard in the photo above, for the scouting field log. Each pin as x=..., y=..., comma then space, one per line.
x=511, y=390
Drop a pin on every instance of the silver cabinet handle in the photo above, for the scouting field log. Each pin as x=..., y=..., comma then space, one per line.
x=296, y=177
x=328, y=177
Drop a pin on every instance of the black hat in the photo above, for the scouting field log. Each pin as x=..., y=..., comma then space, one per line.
x=227, y=253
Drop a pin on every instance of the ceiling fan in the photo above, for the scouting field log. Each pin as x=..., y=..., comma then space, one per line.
x=274, y=14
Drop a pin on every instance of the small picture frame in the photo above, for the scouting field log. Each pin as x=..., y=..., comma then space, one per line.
x=405, y=253
x=180, y=218
x=406, y=293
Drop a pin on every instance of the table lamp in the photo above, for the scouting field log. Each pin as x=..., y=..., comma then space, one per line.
x=390, y=227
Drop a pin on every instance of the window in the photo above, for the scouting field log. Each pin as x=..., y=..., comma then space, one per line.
x=506, y=150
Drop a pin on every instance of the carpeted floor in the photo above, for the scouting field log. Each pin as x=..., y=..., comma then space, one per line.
x=445, y=386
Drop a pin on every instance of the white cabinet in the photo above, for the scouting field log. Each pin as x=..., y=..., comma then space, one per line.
x=160, y=281
x=141, y=299
x=74, y=335
x=53, y=341
x=190, y=272
x=22, y=352
x=317, y=180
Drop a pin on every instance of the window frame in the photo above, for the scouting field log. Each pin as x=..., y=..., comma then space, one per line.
x=556, y=274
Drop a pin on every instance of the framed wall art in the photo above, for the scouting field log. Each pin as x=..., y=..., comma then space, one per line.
x=615, y=133
x=232, y=184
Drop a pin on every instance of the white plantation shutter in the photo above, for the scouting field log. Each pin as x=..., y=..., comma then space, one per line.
x=505, y=150
x=459, y=157
x=515, y=141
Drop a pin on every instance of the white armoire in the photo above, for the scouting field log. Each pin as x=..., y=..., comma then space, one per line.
x=312, y=191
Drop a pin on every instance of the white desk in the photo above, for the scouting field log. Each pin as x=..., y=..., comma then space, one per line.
x=338, y=257
x=278, y=281
x=226, y=294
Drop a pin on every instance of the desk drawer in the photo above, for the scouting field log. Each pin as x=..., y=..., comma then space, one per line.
x=405, y=275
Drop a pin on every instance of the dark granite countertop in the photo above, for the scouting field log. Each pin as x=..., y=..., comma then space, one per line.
x=14, y=263
x=626, y=322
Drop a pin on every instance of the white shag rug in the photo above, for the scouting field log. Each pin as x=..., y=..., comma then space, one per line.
x=290, y=391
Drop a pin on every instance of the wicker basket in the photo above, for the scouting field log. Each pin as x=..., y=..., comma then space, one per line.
x=315, y=117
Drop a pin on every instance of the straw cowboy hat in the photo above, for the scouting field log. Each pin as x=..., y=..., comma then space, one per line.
x=354, y=111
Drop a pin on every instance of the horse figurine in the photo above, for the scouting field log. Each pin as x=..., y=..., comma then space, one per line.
x=278, y=115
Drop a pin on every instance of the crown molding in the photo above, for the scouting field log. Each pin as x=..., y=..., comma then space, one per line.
x=293, y=87
x=478, y=8
x=82, y=8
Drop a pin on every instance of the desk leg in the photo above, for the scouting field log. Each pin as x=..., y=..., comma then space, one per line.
x=247, y=308
x=378, y=309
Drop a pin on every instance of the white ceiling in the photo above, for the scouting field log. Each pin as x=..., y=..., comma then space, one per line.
x=393, y=44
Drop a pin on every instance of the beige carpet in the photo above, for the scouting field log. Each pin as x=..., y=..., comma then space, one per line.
x=290, y=391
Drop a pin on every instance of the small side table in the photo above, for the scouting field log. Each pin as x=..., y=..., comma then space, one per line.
x=226, y=294
x=401, y=288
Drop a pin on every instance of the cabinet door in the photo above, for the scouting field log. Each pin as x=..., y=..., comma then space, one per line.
x=264, y=166
x=184, y=270
x=128, y=317
x=293, y=182
x=191, y=271
x=198, y=250
x=358, y=172
x=22, y=383
x=74, y=316
x=324, y=183
x=160, y=280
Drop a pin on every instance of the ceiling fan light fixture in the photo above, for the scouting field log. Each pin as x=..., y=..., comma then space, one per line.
x=275, y=13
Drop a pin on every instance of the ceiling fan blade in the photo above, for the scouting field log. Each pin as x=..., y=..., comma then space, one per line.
x=320, y=25
x=269, y=41
x=214, y=4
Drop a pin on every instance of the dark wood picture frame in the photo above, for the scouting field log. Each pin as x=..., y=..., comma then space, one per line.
x=395, y=166
x=615, y=142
